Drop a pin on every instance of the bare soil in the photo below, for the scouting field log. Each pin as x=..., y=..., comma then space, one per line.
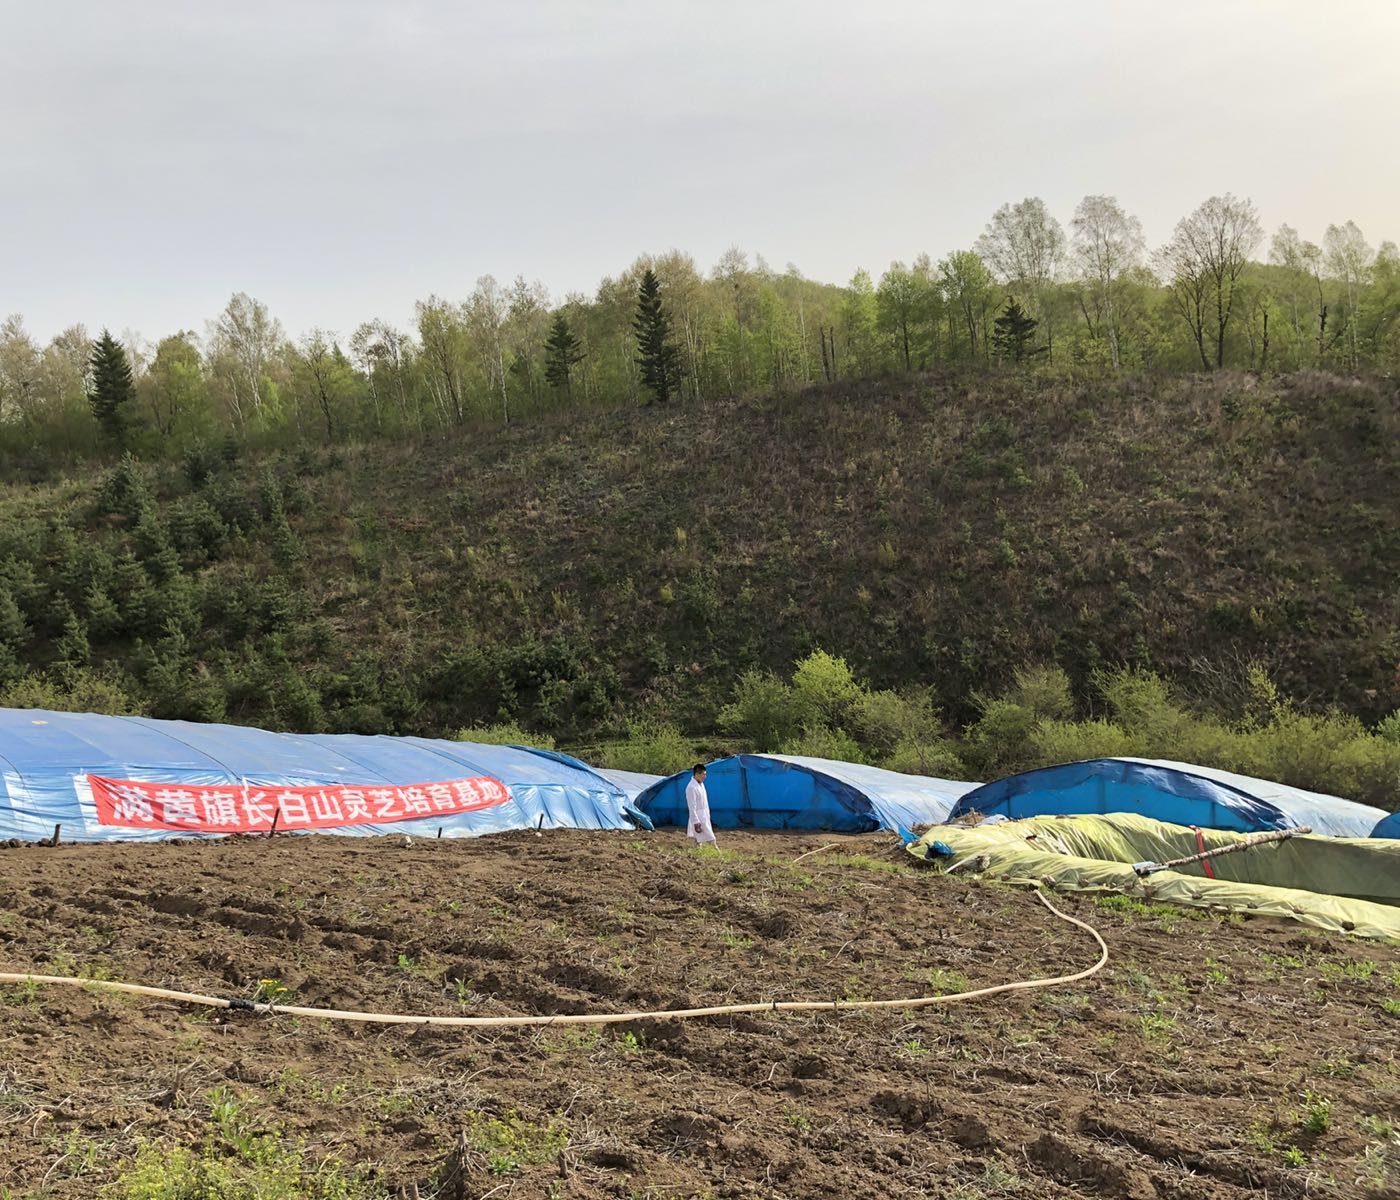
x=1192, y=1067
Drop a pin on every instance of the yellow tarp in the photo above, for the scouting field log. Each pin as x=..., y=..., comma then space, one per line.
x=1334, y=883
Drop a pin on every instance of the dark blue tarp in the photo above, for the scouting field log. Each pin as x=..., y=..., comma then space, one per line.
x=775, y=791
x=45, y=755
x=1388, y=827
x=1179, y=793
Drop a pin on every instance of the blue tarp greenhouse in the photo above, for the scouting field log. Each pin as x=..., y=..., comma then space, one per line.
x=123, y=778
x=1388, y=827
x=1179, y=793
x=777, y=791
x=632, y=783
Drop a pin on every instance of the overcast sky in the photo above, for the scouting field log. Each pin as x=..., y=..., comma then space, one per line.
x=341, y=159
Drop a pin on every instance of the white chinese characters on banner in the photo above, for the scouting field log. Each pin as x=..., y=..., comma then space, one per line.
x=222, y=809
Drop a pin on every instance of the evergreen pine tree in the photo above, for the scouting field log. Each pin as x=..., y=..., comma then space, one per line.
x=126, y=491
x=1014, y=330
x=14, y=629
x=562, y=351
x=659, y=360
x=104, y=618
x=72, y=650
x=109, y=395
x=137, y=599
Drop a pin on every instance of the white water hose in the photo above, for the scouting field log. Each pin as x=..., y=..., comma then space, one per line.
x=607, y=1018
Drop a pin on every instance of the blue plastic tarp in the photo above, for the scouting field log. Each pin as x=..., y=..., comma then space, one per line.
x=1179, y=793
x=775, y=791
x=45, y=758
x=632, y=783
x=1388, y=827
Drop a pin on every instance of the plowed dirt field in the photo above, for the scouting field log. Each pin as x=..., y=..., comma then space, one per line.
x=1212, y=1058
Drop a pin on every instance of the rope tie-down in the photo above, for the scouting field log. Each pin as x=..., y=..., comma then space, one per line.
x=607, y=1018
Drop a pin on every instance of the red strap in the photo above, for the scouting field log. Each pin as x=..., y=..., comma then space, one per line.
x=1201, y=849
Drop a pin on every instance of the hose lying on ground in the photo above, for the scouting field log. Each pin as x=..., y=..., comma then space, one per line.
x=612, y=1018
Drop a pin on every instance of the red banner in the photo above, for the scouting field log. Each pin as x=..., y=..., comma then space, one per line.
x=249, y=809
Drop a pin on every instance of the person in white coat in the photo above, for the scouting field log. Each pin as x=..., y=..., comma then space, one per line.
x=697, y=804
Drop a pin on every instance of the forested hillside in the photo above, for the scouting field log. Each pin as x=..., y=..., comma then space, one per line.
x=584, y=570
x=1054, y=449
x=1075, y=301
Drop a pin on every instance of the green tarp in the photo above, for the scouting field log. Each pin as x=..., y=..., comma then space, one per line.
x=1343, y=884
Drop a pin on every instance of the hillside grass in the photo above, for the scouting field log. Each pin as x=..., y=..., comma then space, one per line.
x=578, y=574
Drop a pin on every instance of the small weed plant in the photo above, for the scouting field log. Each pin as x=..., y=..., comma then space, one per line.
x=510, y=1142
x=272, y=991
x=1316, y=1117
x=240, y=1159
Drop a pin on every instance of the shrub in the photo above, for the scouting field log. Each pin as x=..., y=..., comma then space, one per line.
x=79, y=690
x=1044, y=690
x=883, y=720
x=1389, y=729
x=651, y=748
x=820, y=742
x=1330, y=752
x=1074, y=741
x=1140, y=701
x=505, y=733
x=762, y=713
x=824, y=691
x=999, y=742
x=938, y=758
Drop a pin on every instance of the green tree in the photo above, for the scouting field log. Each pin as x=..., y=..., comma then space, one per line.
x=1203, y=265
x=109, y=393
x=899, y=299
x=562, y=351
x=659, y=360
x=443, y=336
x=173, y=389
x=859, y=317
x=14, y=629
x=967, y=286
x=1023, y=245
x=72, y=650
x=325, y=377
x=1015, y=330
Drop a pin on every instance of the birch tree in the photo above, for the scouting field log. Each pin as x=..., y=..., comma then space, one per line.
x=899, y=301
x=245, y=337
x=1024, y=247
x=486, y=312
x=384, y=355
x=1108, y=244
x=443, y=337
x=1348, y=259
x=20, y=370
